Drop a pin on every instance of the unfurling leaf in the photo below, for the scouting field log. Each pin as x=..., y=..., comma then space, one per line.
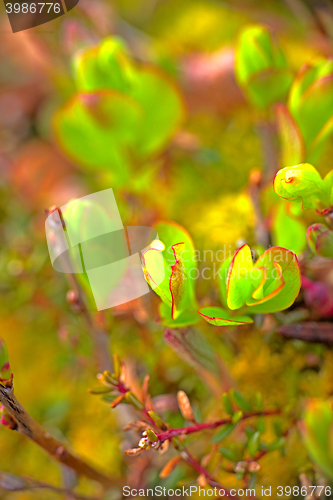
x=185, y=406
x=304, y=185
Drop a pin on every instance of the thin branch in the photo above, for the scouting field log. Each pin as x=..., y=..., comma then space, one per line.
x=171, y=433
x=10, y=482
x=27, y=426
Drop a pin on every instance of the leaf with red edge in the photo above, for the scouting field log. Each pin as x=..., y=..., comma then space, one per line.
x=220, y=317
x=180, y=271
x=276, y=281
x=178, y=281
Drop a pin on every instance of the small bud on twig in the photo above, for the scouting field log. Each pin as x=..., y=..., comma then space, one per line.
x=6, y=419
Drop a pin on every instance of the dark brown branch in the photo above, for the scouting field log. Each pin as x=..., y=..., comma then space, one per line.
x=27, y=426
x=310, y=331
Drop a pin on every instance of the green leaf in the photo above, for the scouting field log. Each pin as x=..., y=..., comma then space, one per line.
x=186, y=318
x=237, y=417
x=276, y=281
x=291, y=140
x=223, y=433
x=163, y=109
x=220, y=317
x=304, y=185
x=238, y=283
x=180, y=272
x=227, y=403
x=311, y=99
x=240, y=401
x=317, y=434
x=253, y=444
x=98, y=129
x=223, y=275
x=288, y=229
x=260, y=67
x=228, y=454
x=107, y=66
x=269, y=87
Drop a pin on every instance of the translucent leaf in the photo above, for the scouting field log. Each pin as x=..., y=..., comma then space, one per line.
x=220, y=317
x=238, y=283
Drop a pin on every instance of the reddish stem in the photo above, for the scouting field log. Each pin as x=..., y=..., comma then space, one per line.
x=171, y=433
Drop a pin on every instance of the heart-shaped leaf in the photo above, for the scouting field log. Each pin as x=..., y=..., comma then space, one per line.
x=109, y=66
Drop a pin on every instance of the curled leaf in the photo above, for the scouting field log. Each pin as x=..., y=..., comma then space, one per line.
x=304, y=185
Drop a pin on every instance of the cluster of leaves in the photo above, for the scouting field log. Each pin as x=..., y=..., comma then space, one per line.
x=270, y=284
x=122, y=112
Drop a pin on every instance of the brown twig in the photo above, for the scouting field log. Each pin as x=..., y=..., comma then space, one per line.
x=10, y=482
x=27, y=426
x=99, y=336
